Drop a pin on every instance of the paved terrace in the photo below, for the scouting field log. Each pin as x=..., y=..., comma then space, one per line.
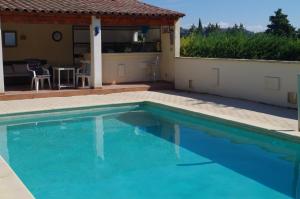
x=261, y=115
x=265, y=116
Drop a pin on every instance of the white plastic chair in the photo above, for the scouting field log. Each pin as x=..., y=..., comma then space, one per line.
x=39, y=74
x=84, y=74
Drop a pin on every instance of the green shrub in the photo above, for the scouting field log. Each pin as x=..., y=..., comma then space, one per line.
x=241, y=45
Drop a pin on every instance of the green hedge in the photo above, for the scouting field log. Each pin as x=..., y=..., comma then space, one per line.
x=241, y=46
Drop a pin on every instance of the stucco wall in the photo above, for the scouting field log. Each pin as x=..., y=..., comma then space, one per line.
x=38, y=43
x=263, y=81
x=128, y=67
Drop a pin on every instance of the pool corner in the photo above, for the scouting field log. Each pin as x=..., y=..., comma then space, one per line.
x=11, y=187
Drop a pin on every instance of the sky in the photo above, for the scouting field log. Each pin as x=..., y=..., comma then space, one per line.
x=254, y=14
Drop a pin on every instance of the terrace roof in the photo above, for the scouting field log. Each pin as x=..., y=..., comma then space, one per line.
x=87, y=7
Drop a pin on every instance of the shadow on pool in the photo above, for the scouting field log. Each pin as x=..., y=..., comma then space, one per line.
x=270, y=161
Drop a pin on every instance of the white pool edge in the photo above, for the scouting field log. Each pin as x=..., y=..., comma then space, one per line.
x=11, y=187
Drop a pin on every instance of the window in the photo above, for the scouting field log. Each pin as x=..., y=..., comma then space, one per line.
x=118, y=39
x=9, y=39
x=127, y=39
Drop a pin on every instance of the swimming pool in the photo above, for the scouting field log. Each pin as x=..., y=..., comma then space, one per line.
x=141, y=151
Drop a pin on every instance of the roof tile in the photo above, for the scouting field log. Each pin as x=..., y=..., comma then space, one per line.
x=100, y=7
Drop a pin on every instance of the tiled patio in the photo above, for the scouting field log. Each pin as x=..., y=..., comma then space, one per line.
x=260, y=115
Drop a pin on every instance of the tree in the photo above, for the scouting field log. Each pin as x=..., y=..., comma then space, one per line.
x=200, y=27
x=237, y=29
x=184, y=32
x=212, y=28
x=192, y=29
x=280, y=25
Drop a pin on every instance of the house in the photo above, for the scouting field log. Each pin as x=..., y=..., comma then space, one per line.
x=118, y=37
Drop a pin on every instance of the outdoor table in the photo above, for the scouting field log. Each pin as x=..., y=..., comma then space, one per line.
x=69, y=70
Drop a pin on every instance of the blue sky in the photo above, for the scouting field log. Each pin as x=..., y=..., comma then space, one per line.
x=254, y=14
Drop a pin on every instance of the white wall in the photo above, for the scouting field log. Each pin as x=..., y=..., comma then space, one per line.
x=263, y=81
x=128, y=67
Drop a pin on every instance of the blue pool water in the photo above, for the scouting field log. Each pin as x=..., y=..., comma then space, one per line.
x=146, y=152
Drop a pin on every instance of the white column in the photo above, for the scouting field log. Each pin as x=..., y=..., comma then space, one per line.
x=1, y=63
x=96, y=52
x=177, y=38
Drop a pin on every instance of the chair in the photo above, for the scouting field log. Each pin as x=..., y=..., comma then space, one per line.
x=39, y=73
x=83, y=73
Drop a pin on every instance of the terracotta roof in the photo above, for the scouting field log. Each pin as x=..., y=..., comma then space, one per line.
x=97, y=7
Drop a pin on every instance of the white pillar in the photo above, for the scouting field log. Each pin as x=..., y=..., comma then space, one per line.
x=177, y=38
x=96, y=52
x=1, y=63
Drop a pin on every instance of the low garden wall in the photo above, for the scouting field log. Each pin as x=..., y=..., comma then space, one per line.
x=271, y=82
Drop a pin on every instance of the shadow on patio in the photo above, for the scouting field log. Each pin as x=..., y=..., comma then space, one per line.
x=226, y=102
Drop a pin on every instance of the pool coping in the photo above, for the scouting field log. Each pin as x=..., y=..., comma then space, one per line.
x=14, y=187
x=233, y=122
x=11, y=186
x=218, y=118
